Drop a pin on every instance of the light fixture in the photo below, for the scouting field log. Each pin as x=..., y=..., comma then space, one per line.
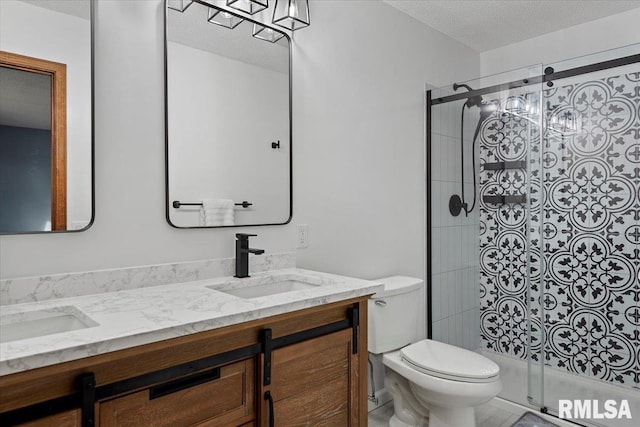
x=515, y=105
x=179, y=5
x=291, y=14
x=564, y=122
x=225, y=19
x=248, y=6
x=265, y=33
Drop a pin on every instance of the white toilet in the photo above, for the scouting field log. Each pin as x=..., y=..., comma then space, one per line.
x=432, y=383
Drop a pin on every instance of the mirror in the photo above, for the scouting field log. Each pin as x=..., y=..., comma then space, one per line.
x=228, y=118
x=46, y=109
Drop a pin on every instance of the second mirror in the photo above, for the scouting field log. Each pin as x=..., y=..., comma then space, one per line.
x=228, y=117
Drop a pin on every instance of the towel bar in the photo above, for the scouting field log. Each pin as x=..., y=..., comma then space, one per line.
x=176, y=204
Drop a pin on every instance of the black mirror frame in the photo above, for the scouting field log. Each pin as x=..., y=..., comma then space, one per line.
x=168, y=202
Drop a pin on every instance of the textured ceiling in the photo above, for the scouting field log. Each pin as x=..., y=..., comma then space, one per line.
x=488, y=24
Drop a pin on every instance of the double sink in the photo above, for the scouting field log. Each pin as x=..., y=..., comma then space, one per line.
x=56, y=320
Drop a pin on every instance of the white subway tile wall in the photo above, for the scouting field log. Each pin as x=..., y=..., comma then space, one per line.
x=455, y=261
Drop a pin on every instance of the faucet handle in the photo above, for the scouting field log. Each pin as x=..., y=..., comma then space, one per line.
x=243, y=236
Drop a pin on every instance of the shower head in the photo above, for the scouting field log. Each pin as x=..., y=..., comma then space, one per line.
x=457, y=86
x=487, y=109
x=471, y=101
x=457, y=203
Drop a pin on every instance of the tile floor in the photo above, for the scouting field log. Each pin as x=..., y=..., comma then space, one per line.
x=487, y=415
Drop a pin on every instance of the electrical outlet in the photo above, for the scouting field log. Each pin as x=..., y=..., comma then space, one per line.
x=303, y=236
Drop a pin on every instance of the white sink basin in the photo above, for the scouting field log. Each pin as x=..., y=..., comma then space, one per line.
x=249, y=290
x=20, y=326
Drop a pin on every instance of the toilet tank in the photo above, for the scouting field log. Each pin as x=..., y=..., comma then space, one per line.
x=394, y=314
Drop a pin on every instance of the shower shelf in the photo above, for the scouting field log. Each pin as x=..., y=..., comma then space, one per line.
x=496, y=166
x=501, y=200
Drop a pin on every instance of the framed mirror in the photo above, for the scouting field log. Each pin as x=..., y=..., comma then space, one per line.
x=46, y=116
x=228, y=119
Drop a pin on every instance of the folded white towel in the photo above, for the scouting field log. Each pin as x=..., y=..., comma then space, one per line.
x=217, y=212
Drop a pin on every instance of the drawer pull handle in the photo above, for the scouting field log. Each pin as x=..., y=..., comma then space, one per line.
x=267, y=396
x=183, y=383
x=381, y=303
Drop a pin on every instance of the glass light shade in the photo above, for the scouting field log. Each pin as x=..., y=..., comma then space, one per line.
x=179, y=5
x=248, y=6
x=565, y=122
x=265, y=33
x=225, y=19
x=515, y=105
x=291, y=14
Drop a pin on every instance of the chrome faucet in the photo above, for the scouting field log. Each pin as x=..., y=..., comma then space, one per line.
x=242, y=254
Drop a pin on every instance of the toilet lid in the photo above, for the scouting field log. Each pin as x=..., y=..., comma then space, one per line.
x=447, y=361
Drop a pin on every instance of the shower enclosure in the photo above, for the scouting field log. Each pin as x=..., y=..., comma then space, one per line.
x=534, y=227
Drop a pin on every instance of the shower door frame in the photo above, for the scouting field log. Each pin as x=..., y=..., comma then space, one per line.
x=547, y=78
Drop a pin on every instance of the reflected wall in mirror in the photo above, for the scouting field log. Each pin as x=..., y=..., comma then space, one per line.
x=228, y=112
x=46, y=136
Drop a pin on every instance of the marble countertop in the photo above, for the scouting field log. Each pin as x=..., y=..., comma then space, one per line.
x=129, y=318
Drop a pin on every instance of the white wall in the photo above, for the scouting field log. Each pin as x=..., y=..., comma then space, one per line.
x=595, y=36
x=130, y=226
x=223, y=116
x=359, y=135
x=54, y=36
x=359, y=73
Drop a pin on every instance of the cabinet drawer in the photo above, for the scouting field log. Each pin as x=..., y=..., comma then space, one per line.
x=71, y=418
x=220, y=401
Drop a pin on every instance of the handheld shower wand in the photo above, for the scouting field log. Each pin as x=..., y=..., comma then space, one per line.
x=457, y=203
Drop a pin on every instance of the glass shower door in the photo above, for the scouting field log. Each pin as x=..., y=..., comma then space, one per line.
x=485, y=191
x=590, y=232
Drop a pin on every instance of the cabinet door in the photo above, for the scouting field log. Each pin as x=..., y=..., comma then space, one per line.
x=225, y=401
x=314, y=383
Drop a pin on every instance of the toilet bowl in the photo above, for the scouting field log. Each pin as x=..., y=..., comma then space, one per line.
x=432, y=383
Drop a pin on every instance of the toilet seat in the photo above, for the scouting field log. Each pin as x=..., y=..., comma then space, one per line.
x=443, y=391
x=449, y=362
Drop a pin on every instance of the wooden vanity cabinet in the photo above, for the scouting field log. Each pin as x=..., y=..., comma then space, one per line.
x=316, y=377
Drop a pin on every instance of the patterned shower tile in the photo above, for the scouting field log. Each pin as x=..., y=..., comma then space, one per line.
x=557, y=231
x=519, y=331
x=567, y=347
x=614, y=344
x=621, y=232
x=492, y=329
x=556, y=159
x=614, y=367
x=506, y=135
x=536, y=338
x=584, y=196
x=557, y=301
